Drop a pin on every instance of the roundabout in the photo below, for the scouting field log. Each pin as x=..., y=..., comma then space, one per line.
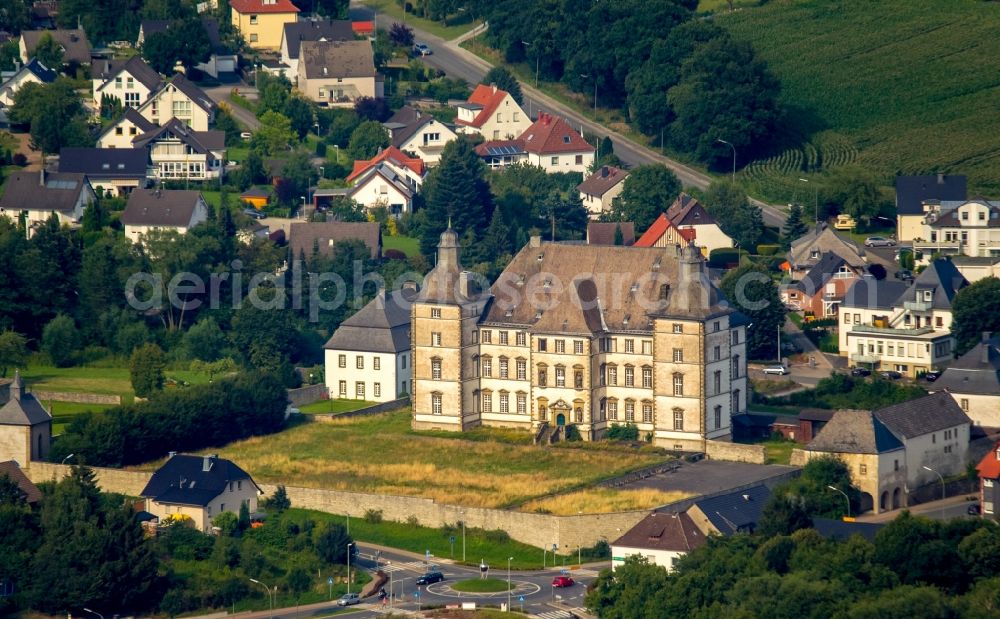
x=518, y=588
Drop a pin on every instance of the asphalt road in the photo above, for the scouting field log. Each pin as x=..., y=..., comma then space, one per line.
x=220, y=94
x=459, y=63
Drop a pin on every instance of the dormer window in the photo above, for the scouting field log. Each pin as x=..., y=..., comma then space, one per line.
x=814, y=254
x=928, y=294
x=566, y=139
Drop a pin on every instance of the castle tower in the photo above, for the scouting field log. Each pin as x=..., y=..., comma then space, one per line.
x=25, y=426
x=443, y=321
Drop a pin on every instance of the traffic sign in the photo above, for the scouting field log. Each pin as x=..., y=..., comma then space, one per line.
x=329, y=580
x=520, y=598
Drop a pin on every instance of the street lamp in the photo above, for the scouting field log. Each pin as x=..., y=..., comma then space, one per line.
x=509, y=559
x=270, y=599
x=463, y=535
x=322, y=171
x=64, y=462
x=349, y=567
x=815, y=199
x=847, y=498
x=587, y=76
x=927, y=468
x=721, y=141
x=93, y=612
x=526, y=44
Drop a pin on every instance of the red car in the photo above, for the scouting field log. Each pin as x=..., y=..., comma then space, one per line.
x=562, y=581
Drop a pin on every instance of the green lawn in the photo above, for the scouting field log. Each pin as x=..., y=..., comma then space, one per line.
x=390, y=7
x=479, y=545
x=779, y=451
x=407, y=244
x=333, y=406
x=114, y=380
x=917, y=73
x=64, y=412
x=381, y=454
x=476, y=585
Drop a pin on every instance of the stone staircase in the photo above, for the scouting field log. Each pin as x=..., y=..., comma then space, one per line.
x=548, y=435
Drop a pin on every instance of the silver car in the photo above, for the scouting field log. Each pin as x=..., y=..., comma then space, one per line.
x=879, y=241
x=780, y=370
x=349, y=599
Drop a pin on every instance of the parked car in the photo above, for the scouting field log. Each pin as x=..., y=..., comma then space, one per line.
x=254, y=213
x=245, y=136
x=904, y=275
x=932, y=376
x=974, y=509
x=349, y=599
x=421, y=49
x=562, y=581
x=860, y=372
x=879, y=241
x=890, y=375
x=780, y=370
x=430, y=578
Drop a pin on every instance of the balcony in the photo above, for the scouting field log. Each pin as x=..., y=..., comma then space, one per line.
x=862, y=358
x=890, y=331
x=917, y=306
x=921, y=245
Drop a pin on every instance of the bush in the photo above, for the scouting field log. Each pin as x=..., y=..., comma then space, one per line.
x=321, y=149
x=497, y=536
x=627, y=432
x=393, y=254
x=767, y=249
x=413, y=521
x=373, y=516
x=20, y=160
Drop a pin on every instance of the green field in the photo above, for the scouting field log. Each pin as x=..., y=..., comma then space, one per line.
x=890, y=86
x=63, y=412
x=333, y=406
x=113, y=380
x=391, y=7
x=475, y=585
x=407, y=244
x=381, y=454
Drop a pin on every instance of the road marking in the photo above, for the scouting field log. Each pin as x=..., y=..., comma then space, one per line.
x=555, y=614
x=585, y=572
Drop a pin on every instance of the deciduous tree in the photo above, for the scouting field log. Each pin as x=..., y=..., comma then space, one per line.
x=60, y=340
x=975, y=309
x=752, y=291
x=504, y=80
x=648, y=191
x=731, y=208
x=367, y=140
x=146, y=370
x=275, y=134
x=13, y=351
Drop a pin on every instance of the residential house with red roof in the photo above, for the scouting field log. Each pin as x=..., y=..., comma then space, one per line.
x=686, y=221
x=411, y=168
x=492, y=113
x=989, y=483
x=415, y=132
x=600, y=188
x=262, y=22
x=549, y=143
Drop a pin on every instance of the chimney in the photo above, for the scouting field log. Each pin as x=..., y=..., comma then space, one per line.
x=604, y=171
x=940, y=178
x=536, y=241
x=207, y=462
x=494, y=87
x=986, y=347
x=16, y=387
x=465, y=284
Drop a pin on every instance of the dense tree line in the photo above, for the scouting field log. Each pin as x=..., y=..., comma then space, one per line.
x=670, y=73
x=914, y=568
x=202, y=416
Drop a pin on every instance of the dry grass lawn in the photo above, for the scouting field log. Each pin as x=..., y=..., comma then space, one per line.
x=603, y=500
x=380, y=454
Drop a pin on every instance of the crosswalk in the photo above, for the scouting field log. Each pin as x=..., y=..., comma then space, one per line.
x=555, y=614
x=416, y=566
x=585, y=572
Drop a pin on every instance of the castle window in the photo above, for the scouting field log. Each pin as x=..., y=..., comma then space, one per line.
x=630, y=410
x=520, y=339
x=543, y=375
x=435, y=368
x=629, y=345
x=487, y=337
x=377, y=390
x=487, y=401
x=612, y=374
x=613, y=409
x=522, y=403
x=435, y=312
x=578, y=379
x=342, y=361
x=543, y=409
x=342, y=388
x=603, y=410
x=504, y=367
x=679, y=419
x=504, y=402
x=578, y=347
x=678, y=355
x=487, y=365
x=736, y=334
x=717, y=382
x=359, y=362
x=736, y=366
x=718, y=416
x=578, y=411
x=647, y=412
x=435, y=338
x=736, y=401
x=647, y=377
x=716, y=353
x=376, y=363
x=678, y=327
x=503, y=337
x=678, y=384
x=359, y=390
x=560, y=346
x=629, y=376
x=522, y=369
x=647, y=347
x=560, y=376
x=603, y=374
x=435, y=403
x=543, y=345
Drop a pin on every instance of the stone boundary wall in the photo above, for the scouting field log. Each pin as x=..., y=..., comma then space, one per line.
x=770, y=482
x=798, y=457
x=568, y=532
x=736, y=452
x=307, y=395
x=81, y=398
x=374, y=409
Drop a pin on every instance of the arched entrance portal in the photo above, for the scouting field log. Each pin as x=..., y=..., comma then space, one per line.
x=883, y=503
x=897, y=498
x=561, y=419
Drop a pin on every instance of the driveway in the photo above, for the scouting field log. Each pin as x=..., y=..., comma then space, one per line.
x=221, y=94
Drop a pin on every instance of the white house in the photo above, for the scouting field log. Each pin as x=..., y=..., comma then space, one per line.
x=960, y=228
x=661, y=537
x=121, y=133
x=33, y=71
x=178, y=152
x=368, y=357
x=973, y=380
x=418, y=133
x=199, y=488
x=909, y=334
x=37, y=195
x=492, y=113
x=411, y=169
x=690, y=219
x=600, y=188
x=381, y=186
x=74, y=44
x=181, y=99
x=162, y=209
x=130, y=81
x=554, y=146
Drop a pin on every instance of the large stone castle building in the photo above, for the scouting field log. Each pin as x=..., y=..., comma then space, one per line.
x=582, y=335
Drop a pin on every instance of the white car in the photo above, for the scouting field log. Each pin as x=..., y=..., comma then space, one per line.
x=780, y=370
x=349, y=599
x=879, y=241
